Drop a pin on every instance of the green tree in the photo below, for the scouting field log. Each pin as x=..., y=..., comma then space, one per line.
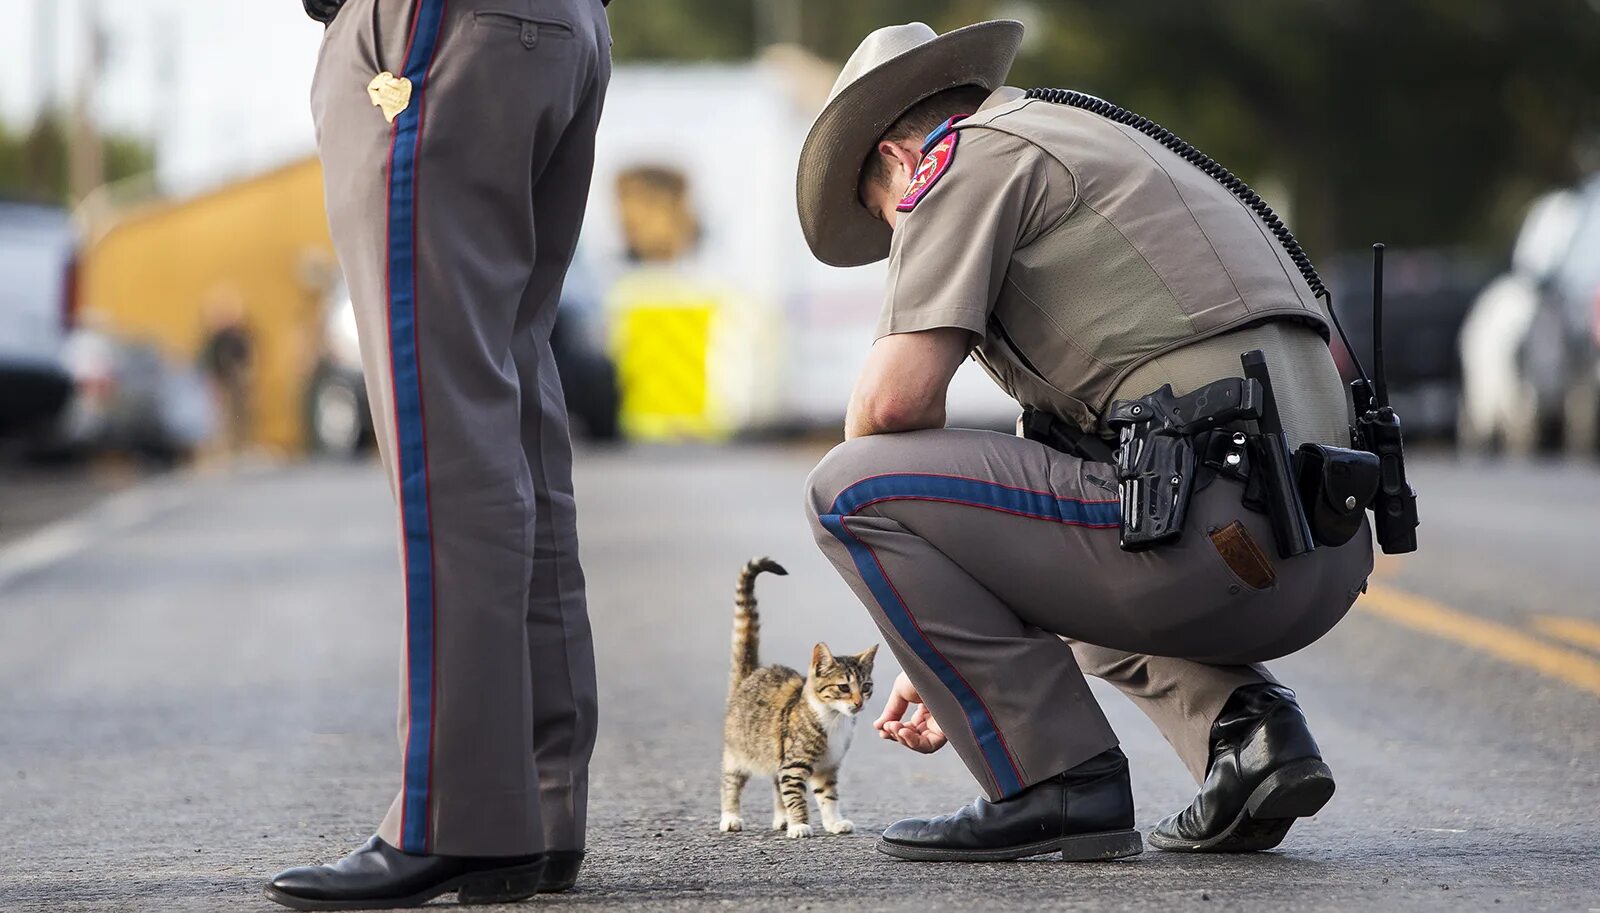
x=34, y=165
x=1420, y=122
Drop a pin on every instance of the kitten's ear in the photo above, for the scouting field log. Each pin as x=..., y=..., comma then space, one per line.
x=868, y=655
x=821, y=656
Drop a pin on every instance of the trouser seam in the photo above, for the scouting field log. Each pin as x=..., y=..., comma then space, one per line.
x=561, y=600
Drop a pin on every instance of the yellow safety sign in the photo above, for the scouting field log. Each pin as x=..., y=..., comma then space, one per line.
x=662, y=328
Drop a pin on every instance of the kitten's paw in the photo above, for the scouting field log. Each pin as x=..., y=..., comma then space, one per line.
x=780, y=823
x=841, y=827
x=731, y=823
x=797, y=831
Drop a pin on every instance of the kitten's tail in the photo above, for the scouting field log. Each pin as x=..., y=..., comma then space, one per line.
x=746, y=623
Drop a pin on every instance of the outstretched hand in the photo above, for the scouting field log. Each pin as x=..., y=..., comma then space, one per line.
x=921, y=732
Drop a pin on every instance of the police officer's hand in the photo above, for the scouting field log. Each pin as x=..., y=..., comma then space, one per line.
x=921, y=732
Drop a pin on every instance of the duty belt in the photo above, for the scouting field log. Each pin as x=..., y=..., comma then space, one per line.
x=1170, y=447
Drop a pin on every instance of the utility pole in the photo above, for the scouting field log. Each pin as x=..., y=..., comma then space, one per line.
x=87, y=169
x=166, y=113
x=777, y=22
x=45, y=36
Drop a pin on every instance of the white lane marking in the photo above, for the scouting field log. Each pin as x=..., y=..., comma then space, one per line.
x=74, y=535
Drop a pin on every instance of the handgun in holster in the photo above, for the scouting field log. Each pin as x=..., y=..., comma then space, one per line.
x=1155, y=457
x=1312, y=497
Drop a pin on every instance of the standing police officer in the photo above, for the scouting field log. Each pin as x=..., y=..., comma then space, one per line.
x=458, y=141
x=1081, y=262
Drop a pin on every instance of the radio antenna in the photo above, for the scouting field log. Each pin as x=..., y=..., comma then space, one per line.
x=1379, y=376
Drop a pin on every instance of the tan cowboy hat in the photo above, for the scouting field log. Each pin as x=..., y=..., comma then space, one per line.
x=893, y=69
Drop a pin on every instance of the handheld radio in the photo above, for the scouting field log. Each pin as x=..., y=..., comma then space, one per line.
x=1377, y=431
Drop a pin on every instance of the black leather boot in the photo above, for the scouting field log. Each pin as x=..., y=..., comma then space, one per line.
x=380, y=877
x=1265, y=771
x=1084, y=814
x=560, y=871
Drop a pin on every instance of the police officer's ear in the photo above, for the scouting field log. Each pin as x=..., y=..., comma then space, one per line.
x=821, y=657
x=897, y=153
x=865, y=657
x=888, y=162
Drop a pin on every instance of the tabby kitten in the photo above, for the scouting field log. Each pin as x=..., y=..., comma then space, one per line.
x=790, y=729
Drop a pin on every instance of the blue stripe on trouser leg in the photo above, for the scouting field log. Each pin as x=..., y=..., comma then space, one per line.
x=977, y=493
x=1003, y=769
x=411, y=439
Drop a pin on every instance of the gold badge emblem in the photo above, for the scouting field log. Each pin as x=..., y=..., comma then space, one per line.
x=390, y=93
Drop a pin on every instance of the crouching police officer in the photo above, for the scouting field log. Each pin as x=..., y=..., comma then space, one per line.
x=1083, y=263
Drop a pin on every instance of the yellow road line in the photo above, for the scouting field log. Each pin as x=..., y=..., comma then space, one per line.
x=1385, y=565
x=1575, y=631
x=1497, y=640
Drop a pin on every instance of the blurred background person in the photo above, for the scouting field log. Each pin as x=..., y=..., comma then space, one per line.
x=227, y=359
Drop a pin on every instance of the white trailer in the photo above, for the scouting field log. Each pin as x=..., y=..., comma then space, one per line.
x=789, y=334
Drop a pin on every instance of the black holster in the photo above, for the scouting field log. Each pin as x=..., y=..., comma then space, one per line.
x=1156, y=453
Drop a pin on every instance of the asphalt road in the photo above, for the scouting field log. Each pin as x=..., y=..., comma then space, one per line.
x=32, y=496
x=198, y=675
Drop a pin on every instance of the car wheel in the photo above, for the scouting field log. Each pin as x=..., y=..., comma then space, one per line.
x=338, y=416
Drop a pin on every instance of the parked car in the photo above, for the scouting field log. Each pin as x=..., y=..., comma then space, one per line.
x=339, y=420
x=1571, y=304
x=1427, y=294
x=38, y=250
x=128, y=397
x=1502, y=404
x=1530, y=352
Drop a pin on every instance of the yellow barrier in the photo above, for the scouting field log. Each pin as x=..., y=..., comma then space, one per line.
x=662, y=328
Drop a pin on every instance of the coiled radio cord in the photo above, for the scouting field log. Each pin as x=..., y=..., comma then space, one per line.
x=1222, y=176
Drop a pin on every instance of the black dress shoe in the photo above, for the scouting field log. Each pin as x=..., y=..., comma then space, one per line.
x=380, y=877
x=560, y=871
x=1265, y=771
x=1085, y=813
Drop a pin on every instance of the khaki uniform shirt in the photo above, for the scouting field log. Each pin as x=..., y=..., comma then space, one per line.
x=1092, y=264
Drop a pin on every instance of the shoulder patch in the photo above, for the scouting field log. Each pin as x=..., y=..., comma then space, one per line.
x=932, y=167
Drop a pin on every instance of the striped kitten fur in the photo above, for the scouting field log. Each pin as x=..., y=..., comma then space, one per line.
x=788, y=729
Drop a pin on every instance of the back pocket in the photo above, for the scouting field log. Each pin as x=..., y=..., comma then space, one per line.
x=1243, y=556
x=530, y=30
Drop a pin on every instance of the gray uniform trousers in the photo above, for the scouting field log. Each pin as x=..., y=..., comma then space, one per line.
x=455, y=225
x=992, y=566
